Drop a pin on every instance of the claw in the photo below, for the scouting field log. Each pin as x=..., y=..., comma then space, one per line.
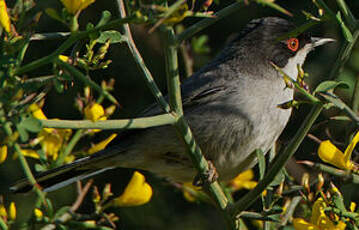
x=208, y=177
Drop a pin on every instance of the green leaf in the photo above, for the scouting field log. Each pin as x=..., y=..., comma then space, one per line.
x=112, y=35
x=330, y=85
x=274, y=6
x=39, y=168
x=106, y=17
x=24, y=136
x=199, y=44
x=261, y=163
x=52, y=13
x=340, y=118
x=31, y=124
x=278, y=179
x=59, y=86
x=61, y=211
x=346, y=32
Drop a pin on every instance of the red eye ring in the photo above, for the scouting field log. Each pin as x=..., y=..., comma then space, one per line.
x=293, y=44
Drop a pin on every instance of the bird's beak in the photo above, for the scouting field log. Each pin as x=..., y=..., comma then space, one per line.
x=321, y=41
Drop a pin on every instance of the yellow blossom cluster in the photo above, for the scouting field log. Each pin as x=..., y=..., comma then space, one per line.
x=50, y=139
x=319, y=220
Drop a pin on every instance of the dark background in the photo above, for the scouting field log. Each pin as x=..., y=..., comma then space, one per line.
x=168, y=209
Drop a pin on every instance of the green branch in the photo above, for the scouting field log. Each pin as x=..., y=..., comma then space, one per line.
x=135, y=123
x=190, y=31
x=151, y=84
x=278, y=163
x=86, y=80
x=348, y=15
x=25, y=166
x=69, y=147
x=49, y=36
x=343, y=56
x=341, y=105
x=3, y=225
x=347, y=176
x=74, y=37
x=182, y=127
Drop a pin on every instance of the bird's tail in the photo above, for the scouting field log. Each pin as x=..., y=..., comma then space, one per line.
x=56, y=178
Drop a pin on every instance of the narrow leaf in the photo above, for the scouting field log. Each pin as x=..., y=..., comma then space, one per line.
x=330, y=85
x=261, y=163
x=113, y=36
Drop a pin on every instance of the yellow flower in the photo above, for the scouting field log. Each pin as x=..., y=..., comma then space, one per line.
x=64, y=58
x=3, y=153
x=74, y=6
x=37, y=112
x=3, y=212
x=12, y=211
x=51, y=139
x=101, y=145
x=29, y=153
x=137, y=192
x=94, y=112
x=38, y=213
x=180, y=14
x=187, y=194
x=329, y=153
x=318, y=221
x=4, y=17
x=244, y=180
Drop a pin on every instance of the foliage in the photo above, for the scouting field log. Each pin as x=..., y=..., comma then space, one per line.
x=27, y=133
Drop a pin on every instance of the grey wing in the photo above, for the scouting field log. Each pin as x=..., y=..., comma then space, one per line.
x=196, y=90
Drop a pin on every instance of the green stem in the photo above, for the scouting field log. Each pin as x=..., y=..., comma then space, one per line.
x=182, y=127
x=278, y=163
x=173, y=78
x=3, y=225
x=70, y=146
x=49, y=36
x=343, y=56
x=349, y=17
x=341, y=105
x=290, y=210
x=355, y=98
x=20, y=56
x=151, y=84
x=345, y=175
x=74, y=37
x=135, y=123
x=86, y=80
x=24, y=164
x=190, y=31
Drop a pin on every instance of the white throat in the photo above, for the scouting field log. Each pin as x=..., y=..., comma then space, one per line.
x=291, y=67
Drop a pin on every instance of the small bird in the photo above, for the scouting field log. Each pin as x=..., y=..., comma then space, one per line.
x=231, y=105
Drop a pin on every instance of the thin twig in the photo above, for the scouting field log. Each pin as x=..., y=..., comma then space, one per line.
x=139, y=61
x=134, y=123
x=81, y=195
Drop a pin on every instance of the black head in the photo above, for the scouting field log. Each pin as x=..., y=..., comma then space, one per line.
x=266, y=39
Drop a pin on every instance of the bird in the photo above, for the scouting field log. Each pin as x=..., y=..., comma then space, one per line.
x=231, y=105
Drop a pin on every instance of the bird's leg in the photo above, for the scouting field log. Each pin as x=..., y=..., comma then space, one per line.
x=208, y=177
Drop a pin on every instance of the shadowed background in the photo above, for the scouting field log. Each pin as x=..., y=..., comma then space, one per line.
x=168, y=209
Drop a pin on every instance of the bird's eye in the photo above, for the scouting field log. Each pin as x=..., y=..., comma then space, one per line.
x=293, y=44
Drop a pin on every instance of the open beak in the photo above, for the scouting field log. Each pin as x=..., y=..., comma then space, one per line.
x=321, y=41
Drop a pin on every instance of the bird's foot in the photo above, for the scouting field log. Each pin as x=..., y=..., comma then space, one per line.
x=208, y=177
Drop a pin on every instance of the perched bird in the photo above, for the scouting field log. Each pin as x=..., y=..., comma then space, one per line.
x=231, y=105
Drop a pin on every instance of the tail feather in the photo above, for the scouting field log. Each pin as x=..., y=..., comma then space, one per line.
x=64, y=175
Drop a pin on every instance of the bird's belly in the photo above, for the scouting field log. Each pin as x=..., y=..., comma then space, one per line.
x=230, y=142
